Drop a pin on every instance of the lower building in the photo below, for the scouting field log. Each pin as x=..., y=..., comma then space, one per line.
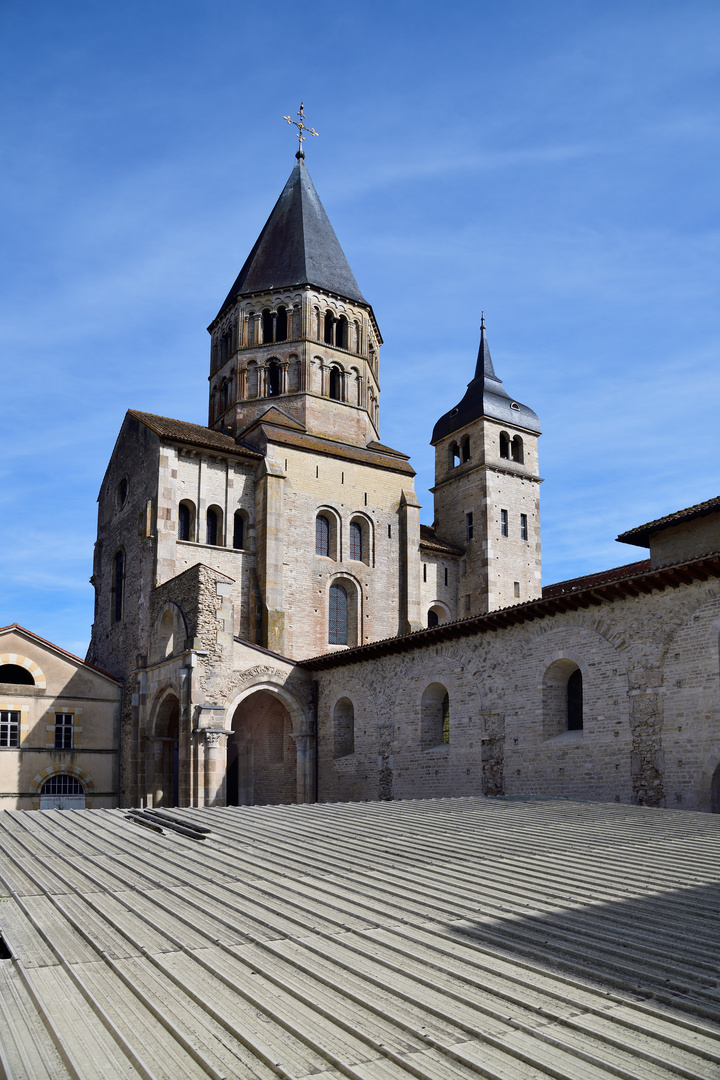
x=59, y=727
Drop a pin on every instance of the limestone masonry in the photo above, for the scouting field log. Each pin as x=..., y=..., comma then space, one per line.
x=284, y=629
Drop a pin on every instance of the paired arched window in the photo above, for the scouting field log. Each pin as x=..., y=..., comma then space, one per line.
x=322, y=535
x=453, y=455
x=274, y=325
x=213, y=526
x=338, y=616
x=336, y=381
x=238, y=530
x=504, y=445
x=118, y=586
x=186, y=520
x=465, y=448
x=435, y=716
x=356, y=541
x=343, y=728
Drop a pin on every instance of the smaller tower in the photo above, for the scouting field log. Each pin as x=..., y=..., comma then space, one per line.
x=487, y=492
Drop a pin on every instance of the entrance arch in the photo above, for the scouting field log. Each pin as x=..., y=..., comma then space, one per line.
x=163, y=773
x=261, y=753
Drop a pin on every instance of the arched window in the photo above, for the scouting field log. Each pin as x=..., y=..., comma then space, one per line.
x=435, y=716
x=575, y=701
x=517, y=449
x=225, y=395
x=322, y=535
x=273, y=378
x=338, y=616
x=504, y=445
x=356, y=541
x=186, y=520
x=329, y=328
x=432, y=619
x=453, y=455
x=335, y=384
x=211, y=526
x=281, y=324
x=466, y=448
x=341, y=333
x=118, y=586
x=344, y=728
x=62, y=792
x=16, y=675
x=166, y=635
x=267, y=326
x=122, y=493
x=238, y=530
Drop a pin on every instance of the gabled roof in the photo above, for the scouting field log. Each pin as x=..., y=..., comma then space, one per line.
x=431, y=542
x=56, y=648
x=285, y=435
x=641, y=535
x=194, y=434
x=485, y=396
x=297, y=246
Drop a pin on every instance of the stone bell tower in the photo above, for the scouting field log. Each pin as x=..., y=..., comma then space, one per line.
x=295, y=331
x=487, y=492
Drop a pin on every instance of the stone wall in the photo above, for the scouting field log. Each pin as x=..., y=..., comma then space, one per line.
x=651, y=716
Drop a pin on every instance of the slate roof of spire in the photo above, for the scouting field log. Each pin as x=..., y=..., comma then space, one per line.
x=485, y=396
x=297, y=246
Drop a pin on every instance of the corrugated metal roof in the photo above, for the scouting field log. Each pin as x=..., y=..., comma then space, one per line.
x=516, y=940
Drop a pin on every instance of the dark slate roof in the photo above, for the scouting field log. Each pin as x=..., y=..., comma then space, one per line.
x=641, y=535
x=485, y=396
x=297, y=246
x=429, y=540
x=195, y=434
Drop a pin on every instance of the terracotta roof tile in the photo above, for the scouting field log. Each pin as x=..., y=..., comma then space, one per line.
x=641, y=535
x=195, y=434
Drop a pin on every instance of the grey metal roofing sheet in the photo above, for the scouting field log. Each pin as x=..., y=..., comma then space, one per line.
x=509, y=939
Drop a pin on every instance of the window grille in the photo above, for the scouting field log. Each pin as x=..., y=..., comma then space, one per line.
x=355, y=542
x=322, y=535
x=9, y=728
x=63, y=731
x=62, y=785
x=338, y=622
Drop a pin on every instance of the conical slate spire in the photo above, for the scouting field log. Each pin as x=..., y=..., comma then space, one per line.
x=485, y=396
x=297, y=246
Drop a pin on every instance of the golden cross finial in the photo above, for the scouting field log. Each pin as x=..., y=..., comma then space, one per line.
x=301, y=126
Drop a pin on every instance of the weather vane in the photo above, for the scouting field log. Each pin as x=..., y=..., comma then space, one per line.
x=301, y=126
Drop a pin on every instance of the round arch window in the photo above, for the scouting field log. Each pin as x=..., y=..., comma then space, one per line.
x=62, y=792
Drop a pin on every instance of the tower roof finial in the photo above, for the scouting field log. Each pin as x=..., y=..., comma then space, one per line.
x=482, y=320
x=301, y=126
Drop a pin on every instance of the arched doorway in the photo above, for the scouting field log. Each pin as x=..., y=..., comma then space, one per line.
x=715, y=792
x=261, y=754
x=163, y=765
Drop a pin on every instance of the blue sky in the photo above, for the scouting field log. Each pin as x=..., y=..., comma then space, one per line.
x=555, y=164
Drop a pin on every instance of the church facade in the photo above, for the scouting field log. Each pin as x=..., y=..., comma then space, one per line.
x=286, y=630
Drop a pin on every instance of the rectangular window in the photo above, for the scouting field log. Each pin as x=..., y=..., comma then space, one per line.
x=9, y=728
x=63, y=731
x=424, y=571
x=516, y=589
x=446, y=575
x=523, y=527
x=469, y=526
x=504, y=523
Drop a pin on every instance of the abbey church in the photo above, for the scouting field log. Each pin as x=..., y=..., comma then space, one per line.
x=285, y=630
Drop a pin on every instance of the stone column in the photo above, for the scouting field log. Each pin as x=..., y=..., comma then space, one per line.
x=284, y=376
x=215, y=741
x=305, y=748
x=410, y=562
x=269, y=517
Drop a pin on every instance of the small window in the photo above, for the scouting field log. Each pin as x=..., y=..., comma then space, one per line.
x=424, y=571
x=336, y=384
x=273, y=378
x=329, y=328
x=446, y=719
x=62, y=792
x=516, y=589
x=523, y=527
x=338, y=616
x=453, y=455
x=446, y=575
x=184, y=520
x=575, y=701
x=469, y=527
x=341, y=333
x=466, y=448
x=211, y=529
x=504, y=530
x=518, y=453
x=118, y=586
x=238, y=530
x=432, y=619
x=122, y=493
x=15, y=674
x=63, y=731
x=281, y=324
x=322, y=535
x=267, y=327
x=504, y=445
x=9, y=728
x=434, y=716
x=356, y=544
